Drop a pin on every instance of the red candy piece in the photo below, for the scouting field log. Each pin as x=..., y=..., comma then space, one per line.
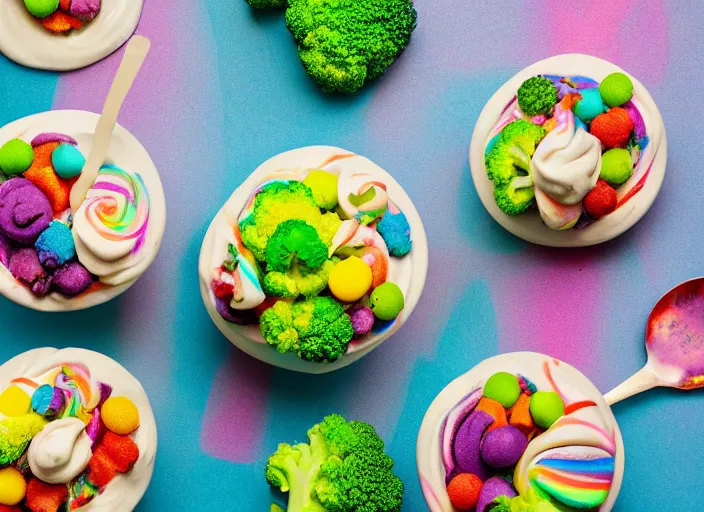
x=43, y=497
x=464, y=491
x=65, y=5
x=115, y=454
x=60, y=22
x=613, y=128
x=601, y=200
x=8, y=508
x=223, y=291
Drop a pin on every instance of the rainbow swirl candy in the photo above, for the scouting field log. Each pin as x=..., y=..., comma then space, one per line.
x=110, y=227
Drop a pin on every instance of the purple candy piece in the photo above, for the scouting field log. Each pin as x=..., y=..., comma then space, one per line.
x=105, y=392
x=72, y=279
x=492, y=489
x=362, y=319
x=42, y=286
x=235, y=316
x=46, y=138
x=25, y=266
x=85, y=10
x=5, y=249
x=24, y=210
x=503, y=446
x=637, y=118
x=467, y=442
x=95, y=429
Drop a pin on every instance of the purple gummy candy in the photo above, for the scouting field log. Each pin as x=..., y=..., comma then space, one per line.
x=492, y=489
x=24, y=210
x=85, y=10
x=234, y=316
x=72, y=279
x=25, y=266
x=49, y=260
x=637, y=118
x=502, y=447
x=5, y=249
x=46, y=138
x=362, y=319
x=105, y=392
x=467, y=442
x=41, y=287
x=96, y=428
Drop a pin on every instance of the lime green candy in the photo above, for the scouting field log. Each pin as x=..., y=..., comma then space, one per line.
x=616, y=166
x=504, y=388
x=16, y=434
x=386, y=301
x=616, y=89
x=324, y=187
x=41, y=8
x=16, y=156
x=546, y=407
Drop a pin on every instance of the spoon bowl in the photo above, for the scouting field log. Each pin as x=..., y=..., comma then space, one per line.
x=674, y=341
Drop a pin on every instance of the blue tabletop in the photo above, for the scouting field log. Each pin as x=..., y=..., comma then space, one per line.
x=223, y=90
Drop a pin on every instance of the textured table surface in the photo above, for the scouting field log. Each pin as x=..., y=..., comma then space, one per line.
x=223, y=91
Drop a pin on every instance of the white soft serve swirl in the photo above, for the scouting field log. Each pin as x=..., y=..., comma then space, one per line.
x=60, y=452
x=566, y=163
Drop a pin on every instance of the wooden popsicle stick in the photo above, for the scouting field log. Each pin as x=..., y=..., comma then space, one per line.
x=135, y=54
x=643, y=380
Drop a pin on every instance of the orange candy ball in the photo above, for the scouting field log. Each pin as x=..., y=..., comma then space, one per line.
x=612, y=128
x=464, y=491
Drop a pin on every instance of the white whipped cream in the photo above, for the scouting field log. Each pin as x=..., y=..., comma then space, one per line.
x=60, y=452
x=566, y=163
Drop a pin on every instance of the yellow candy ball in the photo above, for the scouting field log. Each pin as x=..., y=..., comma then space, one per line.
x=350, y=279
x=120, y=415
x=13, y=488
x=15, y=402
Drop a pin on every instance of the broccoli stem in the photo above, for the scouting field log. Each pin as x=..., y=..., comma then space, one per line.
x=303, y=477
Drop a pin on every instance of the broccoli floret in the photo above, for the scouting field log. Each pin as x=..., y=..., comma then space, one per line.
x=510, y=156
x=345, y=43
x=298, y=281
x=295, y=240
x=515, y=197
x=278, y=202
x=537, y=95
x=342, y=469
x=316, y=329
x=266, y=4
x=529, y=502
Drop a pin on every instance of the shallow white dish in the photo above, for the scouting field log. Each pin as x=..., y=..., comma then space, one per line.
x=25, y=41
x=126, y=152
x=431, y=470
x=125, y=491
x=408, y=272
x=529, y=226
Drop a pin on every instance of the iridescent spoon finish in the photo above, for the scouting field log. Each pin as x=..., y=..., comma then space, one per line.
x=674, y=340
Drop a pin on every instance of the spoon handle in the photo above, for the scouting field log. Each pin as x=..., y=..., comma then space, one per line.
x=643, y=380
x=135, y=53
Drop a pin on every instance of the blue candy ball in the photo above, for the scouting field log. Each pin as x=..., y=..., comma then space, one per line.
x=67, y=160
x=590, y=106
x=55, y=245
x=396, y=232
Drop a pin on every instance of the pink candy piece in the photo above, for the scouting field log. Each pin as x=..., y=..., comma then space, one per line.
x=85, y=10
x=45, y=138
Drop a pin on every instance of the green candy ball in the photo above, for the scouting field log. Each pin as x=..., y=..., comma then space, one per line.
x=616, y=166
x=324, y=187
x=616, y=89
x=16, y=156
x=504, y=388
x=546, y=407
x=386, y=301
x=41, y=8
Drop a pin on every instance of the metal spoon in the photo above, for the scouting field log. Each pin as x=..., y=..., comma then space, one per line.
x=674, y=340
x=135, y=53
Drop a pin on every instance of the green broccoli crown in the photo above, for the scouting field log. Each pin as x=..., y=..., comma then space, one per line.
x=295, y=240
x=512, y=152
x=515, y=197
x=537, y=95
x=298, y=281
x=343, y=469
x=345, y=43
x=266, y=4
x=316, y=329
x=278, y=202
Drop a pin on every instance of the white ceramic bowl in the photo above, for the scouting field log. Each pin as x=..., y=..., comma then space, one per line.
x=529, y=226
x=431, y=469
x=125, y=491
x=408, y=272
x=25, y=41
x=126, y=152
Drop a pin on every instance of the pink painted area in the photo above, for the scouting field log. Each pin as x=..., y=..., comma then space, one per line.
x=554, y=304
x=621, y=31
x=235, y=418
